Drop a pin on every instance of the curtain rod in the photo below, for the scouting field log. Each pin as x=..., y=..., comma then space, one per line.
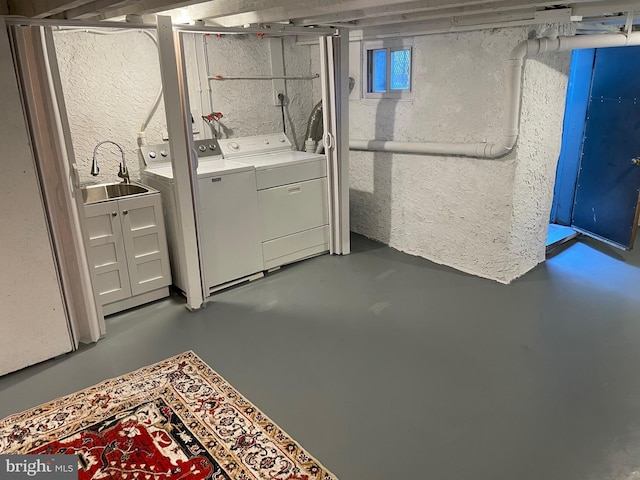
x=272, y=30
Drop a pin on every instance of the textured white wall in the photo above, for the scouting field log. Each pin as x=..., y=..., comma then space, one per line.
x=460, y=211
x=110, y=82
x=538, y=151
x=247, y=105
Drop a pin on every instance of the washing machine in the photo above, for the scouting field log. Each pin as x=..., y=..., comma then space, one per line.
x=292, y=196
x=229, y=217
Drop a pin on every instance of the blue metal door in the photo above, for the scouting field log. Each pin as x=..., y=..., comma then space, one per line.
x=606, y=197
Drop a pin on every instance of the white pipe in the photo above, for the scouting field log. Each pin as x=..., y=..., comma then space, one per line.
x=264, y=77
x=152, y=111
x=513, y=99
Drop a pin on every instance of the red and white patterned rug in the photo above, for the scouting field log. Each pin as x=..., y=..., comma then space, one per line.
x=177, y=419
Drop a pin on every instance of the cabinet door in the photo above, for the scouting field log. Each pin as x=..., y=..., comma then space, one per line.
x=107, y=252
x=145, y=243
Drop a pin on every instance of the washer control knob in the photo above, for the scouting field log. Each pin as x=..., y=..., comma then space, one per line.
x=164, y=153
x=152, y=154
x=212, y=146
x=202, y=148
x=233, y=146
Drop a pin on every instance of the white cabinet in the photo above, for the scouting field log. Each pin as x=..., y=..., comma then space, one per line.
x=129, y=251
x=107, y=251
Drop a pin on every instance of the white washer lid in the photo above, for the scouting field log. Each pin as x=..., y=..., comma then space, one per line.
x=162, y=170
x=205, y=168
x=221, y=167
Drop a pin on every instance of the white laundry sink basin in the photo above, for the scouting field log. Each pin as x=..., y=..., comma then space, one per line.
x=110, y=191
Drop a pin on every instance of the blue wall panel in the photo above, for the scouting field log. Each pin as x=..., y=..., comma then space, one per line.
x=573, y=132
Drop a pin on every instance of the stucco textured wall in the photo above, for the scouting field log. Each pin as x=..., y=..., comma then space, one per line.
x=538, y=151
x=110, y=82
x=471, y=214
x=247, y=105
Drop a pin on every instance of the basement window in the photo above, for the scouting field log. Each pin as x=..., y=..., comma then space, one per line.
x=388, y=68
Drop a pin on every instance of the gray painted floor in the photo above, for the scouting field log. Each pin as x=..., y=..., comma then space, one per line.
x=387, y=366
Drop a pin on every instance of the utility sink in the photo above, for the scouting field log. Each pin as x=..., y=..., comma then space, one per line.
x=112, y=191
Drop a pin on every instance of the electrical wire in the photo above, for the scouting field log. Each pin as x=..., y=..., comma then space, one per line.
x=284, y=123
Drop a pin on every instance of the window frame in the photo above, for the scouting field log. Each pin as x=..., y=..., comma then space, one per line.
x=390, y=45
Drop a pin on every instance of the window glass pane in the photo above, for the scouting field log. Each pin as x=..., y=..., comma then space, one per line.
x=400, y=69
x=379, y=71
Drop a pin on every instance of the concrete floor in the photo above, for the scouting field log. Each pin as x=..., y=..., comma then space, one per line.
x=386, y=366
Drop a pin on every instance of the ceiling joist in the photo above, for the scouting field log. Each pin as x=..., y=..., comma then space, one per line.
x=593, y=9
x=144, y=7
x=43, y=8
x=241, y=12
x=364, y=13
x=413, y=11
x=89, y=10
x=391, y=15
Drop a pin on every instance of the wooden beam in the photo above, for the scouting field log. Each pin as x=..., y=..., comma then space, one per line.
x=237, y=12
x=417, y=7
x=143, y=7
x=460, y=24
x=602, y=7
x=341, y=9
x=91, y=9
x=42, y=8
x=446, y=26
x=233, y=13
x=449, y=13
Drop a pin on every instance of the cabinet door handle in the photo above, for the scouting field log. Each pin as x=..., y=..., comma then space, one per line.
x=295, y=189
x=114, y=214
x=124, y=212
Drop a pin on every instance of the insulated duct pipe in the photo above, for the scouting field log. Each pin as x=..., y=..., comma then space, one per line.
x=513, y=99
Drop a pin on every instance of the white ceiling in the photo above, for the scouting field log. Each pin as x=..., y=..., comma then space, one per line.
x=370, y=15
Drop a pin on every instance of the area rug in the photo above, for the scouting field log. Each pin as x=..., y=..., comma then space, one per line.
x=177, y=419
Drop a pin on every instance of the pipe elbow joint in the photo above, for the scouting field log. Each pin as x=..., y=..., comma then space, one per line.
x=499, y=150
x=521, y=50
x=502, y=148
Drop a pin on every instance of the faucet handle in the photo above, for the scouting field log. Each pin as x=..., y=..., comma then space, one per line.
x=123, y=173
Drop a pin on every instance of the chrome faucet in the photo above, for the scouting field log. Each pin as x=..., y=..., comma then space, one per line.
x=123, y=172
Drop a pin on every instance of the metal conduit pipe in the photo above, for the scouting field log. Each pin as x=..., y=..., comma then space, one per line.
x=314, y=125
x=513, y=99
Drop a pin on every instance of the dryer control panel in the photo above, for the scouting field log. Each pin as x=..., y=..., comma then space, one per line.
x=260, y=144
